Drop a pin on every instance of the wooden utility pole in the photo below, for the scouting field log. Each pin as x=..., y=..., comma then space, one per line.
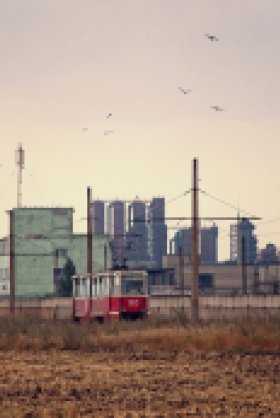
x=195, y=237
x=181, y=270
x=244, y=265
x=12, y=264
x=89, y=232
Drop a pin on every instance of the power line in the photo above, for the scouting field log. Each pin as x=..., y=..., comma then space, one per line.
x=230, y=205
x=179, y=196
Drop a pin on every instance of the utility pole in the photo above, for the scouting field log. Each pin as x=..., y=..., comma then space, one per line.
x=181, y=270
x=195, y=235
x=12, y=263
x=89, y=232
x=244, y=265
x=20, y=164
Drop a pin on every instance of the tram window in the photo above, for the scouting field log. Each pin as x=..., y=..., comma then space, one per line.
x=111, y=285
x=83, y=288
x=100, y=286
x=87, y=287
x=90, y=286
x=79, y=287
x=116, y=285
x=132, y=286
x=76, y=289
x=94, y=287
x=105, y=286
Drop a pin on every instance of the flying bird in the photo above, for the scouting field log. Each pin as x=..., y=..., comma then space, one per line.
x=109, y=115
x=108, y=132
x=217, y=108
x=211, y=37
x=184, y=91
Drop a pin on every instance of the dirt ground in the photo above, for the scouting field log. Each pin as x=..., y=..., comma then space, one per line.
x=73, y=384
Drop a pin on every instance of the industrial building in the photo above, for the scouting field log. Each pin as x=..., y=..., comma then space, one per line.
x=243, y=242
x=97, y=216
x=116, y=220
x=137, y=234
x=43, y=240
x=157, y=231
x=213, y=279
x=209, y=245
x=268, y=255
x=225, y=279
x=181, y=243
x=137, y=230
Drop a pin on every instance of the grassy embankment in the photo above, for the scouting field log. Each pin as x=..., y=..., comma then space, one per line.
x=139, y=336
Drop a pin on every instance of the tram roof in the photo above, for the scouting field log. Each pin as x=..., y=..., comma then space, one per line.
x=111, y=273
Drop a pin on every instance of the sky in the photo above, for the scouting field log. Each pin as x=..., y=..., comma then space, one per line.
x=65, y=65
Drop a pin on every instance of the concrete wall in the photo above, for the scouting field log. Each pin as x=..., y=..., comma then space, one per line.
x=218, y=307
x=51, y=308
x=211, y=307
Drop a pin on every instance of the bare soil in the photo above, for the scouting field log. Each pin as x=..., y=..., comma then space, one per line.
x=170, y=383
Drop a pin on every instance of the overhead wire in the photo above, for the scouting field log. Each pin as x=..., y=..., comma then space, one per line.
x=179, y=196
x=230, y=205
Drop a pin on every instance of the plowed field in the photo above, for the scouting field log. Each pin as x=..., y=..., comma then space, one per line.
x=164, y=384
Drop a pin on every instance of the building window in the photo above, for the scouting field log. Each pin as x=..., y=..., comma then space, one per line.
x=61, y=252
x=206, y=281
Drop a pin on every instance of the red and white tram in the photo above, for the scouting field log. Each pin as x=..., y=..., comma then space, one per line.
x=116, y=294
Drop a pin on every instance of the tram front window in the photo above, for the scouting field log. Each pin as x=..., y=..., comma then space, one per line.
x=132, y=287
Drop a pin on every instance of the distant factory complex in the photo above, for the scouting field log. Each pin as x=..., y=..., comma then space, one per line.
x=129, y=234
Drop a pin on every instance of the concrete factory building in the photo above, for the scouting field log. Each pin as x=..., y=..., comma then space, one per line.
x=43, y=240
x=213, y=279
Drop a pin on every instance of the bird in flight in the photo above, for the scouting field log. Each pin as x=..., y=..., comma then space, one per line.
x=108, y=132
x=211, y=37
x=109, y=115
x=217, y=108
x=184, y=91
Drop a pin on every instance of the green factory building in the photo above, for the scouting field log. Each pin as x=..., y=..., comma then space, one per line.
x=43, y=241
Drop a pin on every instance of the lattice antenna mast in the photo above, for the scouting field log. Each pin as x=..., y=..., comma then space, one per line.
x=20, y=164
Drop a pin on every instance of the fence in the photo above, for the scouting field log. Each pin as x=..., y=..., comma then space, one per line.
x=210, y=307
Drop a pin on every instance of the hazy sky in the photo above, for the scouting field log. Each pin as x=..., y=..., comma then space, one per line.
x=65, y=64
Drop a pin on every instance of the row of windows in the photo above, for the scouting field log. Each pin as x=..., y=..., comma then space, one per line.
x=105, y=286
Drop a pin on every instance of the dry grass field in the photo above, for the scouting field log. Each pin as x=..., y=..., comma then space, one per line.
x=139, y=369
